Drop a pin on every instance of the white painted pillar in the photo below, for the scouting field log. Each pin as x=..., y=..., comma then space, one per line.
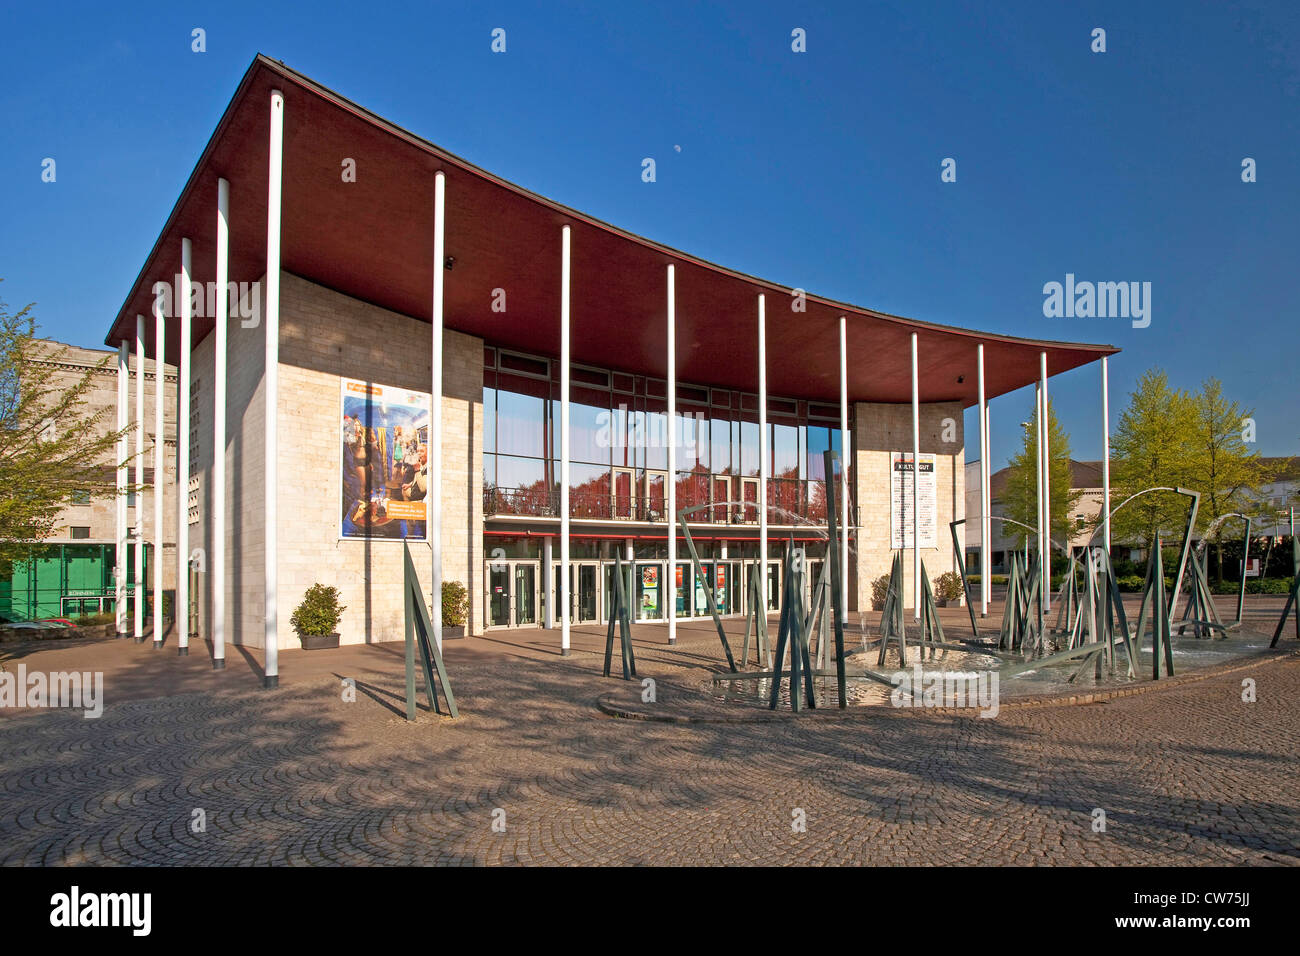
x=159, y=462
x=548, y=583
x=217, y=546
x=1047, y=487
x=1038, y=462
x=762, y=448
x=271, y=584
x=182, y=607
x=671, y=490
x=138, y=626
x=434, y=502
x=565, y=580
x=916, y=484
x=988, y=500
x=984, y=487
x=123, y=452
x=1105, y=448
x=845, y=508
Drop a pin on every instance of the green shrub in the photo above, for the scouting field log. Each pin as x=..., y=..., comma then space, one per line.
x=319, y=612
x=947, y=586
x=92, y=620
x=879, y=588
x=455, y=604
x=1266, y=586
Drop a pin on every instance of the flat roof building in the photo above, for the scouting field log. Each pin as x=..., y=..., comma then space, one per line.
x=430, y=329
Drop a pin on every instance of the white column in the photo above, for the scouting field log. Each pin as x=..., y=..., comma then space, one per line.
x=123, y=452
x=1105, y=449
x=565, y=598
x=1047, y=487
x=670, y=602
x=762, y=449
x=988, y=502
x=271, y=616
x=159, y=462
x=217, y=545
x=548, y=583
x=916, y=484
x=845, y=509
x=182, y=607
x=1038, y=462
x=984, y=487
x=138, y=628
x=435, y=415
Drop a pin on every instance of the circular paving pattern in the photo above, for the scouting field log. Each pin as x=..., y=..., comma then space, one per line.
x=533, y=773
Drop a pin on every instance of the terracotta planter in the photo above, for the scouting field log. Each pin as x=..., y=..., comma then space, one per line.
x=319, y=642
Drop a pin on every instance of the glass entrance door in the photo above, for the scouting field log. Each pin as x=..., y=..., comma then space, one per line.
x=512, y=593
x=498, y=577
x=584, y=592
x=587, y=594
x=525, y=593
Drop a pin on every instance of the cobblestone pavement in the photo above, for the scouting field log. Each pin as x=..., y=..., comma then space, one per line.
x=1188, y=774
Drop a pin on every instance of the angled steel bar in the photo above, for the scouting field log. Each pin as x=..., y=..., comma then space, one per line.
x=782, y=634
x=961, y=570
x=838, y=607
x=1293, y=599
x=430, y=653
x=708, y=592
x=619, y=615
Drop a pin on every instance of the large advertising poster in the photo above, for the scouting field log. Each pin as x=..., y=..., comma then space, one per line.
x=901, y=476
x=649, y=591
x=385, y=462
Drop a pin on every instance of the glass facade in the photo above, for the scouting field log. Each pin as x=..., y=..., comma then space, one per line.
x=618, y=447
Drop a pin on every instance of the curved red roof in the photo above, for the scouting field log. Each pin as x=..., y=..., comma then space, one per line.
x=373, y=239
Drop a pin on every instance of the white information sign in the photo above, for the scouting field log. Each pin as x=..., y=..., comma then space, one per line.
x=900, y=501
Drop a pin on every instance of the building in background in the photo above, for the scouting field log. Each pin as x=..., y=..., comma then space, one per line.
x=691, y=387
x=1085, y=478
x=74, y=574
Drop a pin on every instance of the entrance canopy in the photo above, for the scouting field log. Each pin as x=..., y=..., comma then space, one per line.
x=372, y=239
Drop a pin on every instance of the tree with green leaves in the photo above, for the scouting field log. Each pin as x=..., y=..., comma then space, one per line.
x=1221, y=465
x=1152, y=448
x=1020, y=496
x=52, y=445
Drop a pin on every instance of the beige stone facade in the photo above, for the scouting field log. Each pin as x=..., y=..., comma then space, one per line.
x=879, y=430
x=96, y=518
x=326, y=337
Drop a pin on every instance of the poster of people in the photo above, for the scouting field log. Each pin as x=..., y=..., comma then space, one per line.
x=649, y=591
x=385, y=462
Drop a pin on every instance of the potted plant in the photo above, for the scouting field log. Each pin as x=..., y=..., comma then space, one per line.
x=455, y=609
x=316, y=618
x=947, y=588
x=879, y=590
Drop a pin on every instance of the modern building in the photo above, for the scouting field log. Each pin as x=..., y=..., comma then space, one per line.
x=415, y=345
x=1086, y=478
x=74, y=574
x=1280, y=498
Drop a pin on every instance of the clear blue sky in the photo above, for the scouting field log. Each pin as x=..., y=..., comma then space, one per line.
x=820, y=170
